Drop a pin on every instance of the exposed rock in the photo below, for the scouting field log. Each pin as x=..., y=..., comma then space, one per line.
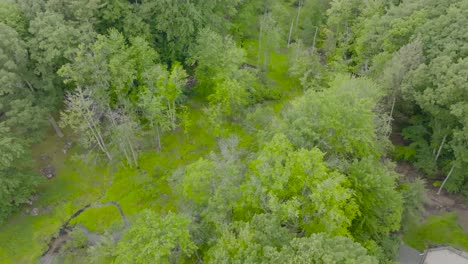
x=48, y=171
x=35, y=211
x=67, y=146
x=31, y=199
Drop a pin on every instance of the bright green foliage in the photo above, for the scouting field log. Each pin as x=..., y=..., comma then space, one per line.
x=217, y=57
x=264, y=241
x=338, y=120
x=269, y=40
x=322, y=249
x=342, y=16
x=250, y=242
x=413, y=194
x=305, y=66
x=307, y=184
x=160, y=93
x=220, y=73
x=98, y=219
x=375, y=192
x=11, y=15
x=157, y=239
x=229, y=97
x=299, y=188
x=199, y=181
x=210, y=188
x=438, y=229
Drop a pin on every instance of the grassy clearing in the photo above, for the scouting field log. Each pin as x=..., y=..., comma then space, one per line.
x=98, y=219
x=24, y=237
x=437, y=230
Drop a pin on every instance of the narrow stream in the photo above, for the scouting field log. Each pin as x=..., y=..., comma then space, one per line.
x=58, y=241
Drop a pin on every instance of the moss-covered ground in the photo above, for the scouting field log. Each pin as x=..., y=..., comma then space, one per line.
x=24, y=238
x=437, y=230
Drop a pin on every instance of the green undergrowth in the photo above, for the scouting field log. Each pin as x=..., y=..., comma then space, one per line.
x=276, y=78
x=98, y=219
x=437, y=230
x=23, y=238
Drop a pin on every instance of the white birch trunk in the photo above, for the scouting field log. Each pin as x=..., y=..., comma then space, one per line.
x=440, y=147
x=290, y=32
x=132, y=150
x=57, y=129
x=446, y=178
x=313, y=41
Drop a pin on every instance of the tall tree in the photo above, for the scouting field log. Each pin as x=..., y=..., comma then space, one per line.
x=155, y=238
x=298, y=186
x=220, y=74
x=83, y=115
x=321, y=249
x=17, y=180
x=338, y=120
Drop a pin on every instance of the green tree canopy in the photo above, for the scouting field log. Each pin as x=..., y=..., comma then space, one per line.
x=155, y=238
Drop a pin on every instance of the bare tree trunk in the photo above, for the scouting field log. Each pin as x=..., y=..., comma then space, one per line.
x=30, y=86
x=98, y=140
x=440, y=147
x=158, y=138
x=446, y=178
x=57, y=129
x=132, y=150
x=98, y=136
x=173, y=115
x=290, y=32
x=389, y=123
x=298, y=15
x=313, y=42
x=124, y=150
x=101, y=139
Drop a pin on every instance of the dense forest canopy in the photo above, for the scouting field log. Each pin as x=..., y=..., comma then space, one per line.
x=297, y=99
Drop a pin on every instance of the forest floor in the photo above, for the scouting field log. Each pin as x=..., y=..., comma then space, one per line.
x=27, y=237
x=444, y=219
x=437, y=203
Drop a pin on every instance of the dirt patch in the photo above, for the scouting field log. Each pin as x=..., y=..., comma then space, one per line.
x=462, y=218
x=398, y=140
x=437, y=204
x=410, y=172
x=443, y=203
